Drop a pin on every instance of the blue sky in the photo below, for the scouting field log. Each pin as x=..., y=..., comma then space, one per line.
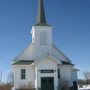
x=71, y=34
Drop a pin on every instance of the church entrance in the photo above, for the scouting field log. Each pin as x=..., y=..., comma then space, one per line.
x=47, y=83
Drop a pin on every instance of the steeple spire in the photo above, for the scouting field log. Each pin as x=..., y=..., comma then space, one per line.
x=41, y=19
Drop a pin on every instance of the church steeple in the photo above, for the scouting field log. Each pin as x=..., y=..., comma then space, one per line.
x=41, y=19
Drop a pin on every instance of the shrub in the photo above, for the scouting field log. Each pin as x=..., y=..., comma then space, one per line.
x=64, y=85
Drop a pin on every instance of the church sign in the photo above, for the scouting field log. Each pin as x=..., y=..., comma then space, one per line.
x=47, y=71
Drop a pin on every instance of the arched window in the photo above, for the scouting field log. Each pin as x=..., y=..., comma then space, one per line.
x=43, y=38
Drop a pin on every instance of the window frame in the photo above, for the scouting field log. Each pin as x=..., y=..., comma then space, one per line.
x=23, y=74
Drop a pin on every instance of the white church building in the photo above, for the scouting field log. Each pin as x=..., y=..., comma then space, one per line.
x=42, y=65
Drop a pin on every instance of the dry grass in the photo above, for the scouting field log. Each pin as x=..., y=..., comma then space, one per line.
x=6, y=87
x=27, y=87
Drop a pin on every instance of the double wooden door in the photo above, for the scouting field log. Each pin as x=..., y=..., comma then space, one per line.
x=47, y=83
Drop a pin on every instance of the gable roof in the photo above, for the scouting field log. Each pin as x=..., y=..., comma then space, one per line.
x=48, y=56
x=66, y=63
x=28, y=54
x=59, y=55
x=23, y=62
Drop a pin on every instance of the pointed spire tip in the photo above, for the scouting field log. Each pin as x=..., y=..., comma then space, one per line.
x=41, y=19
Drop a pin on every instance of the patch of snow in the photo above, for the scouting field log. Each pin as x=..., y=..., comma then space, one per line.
x=85, y=87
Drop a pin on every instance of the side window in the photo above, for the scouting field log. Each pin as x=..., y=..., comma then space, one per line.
x=23, y=73
x=43, y=38
x=58, y=74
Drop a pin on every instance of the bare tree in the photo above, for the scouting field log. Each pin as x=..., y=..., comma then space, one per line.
x=87, y=77
x=1, y=77
x=63, y=85
x=81, y=82
x=10, y=78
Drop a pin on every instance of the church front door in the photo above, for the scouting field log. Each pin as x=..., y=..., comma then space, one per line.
x=47, y=83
